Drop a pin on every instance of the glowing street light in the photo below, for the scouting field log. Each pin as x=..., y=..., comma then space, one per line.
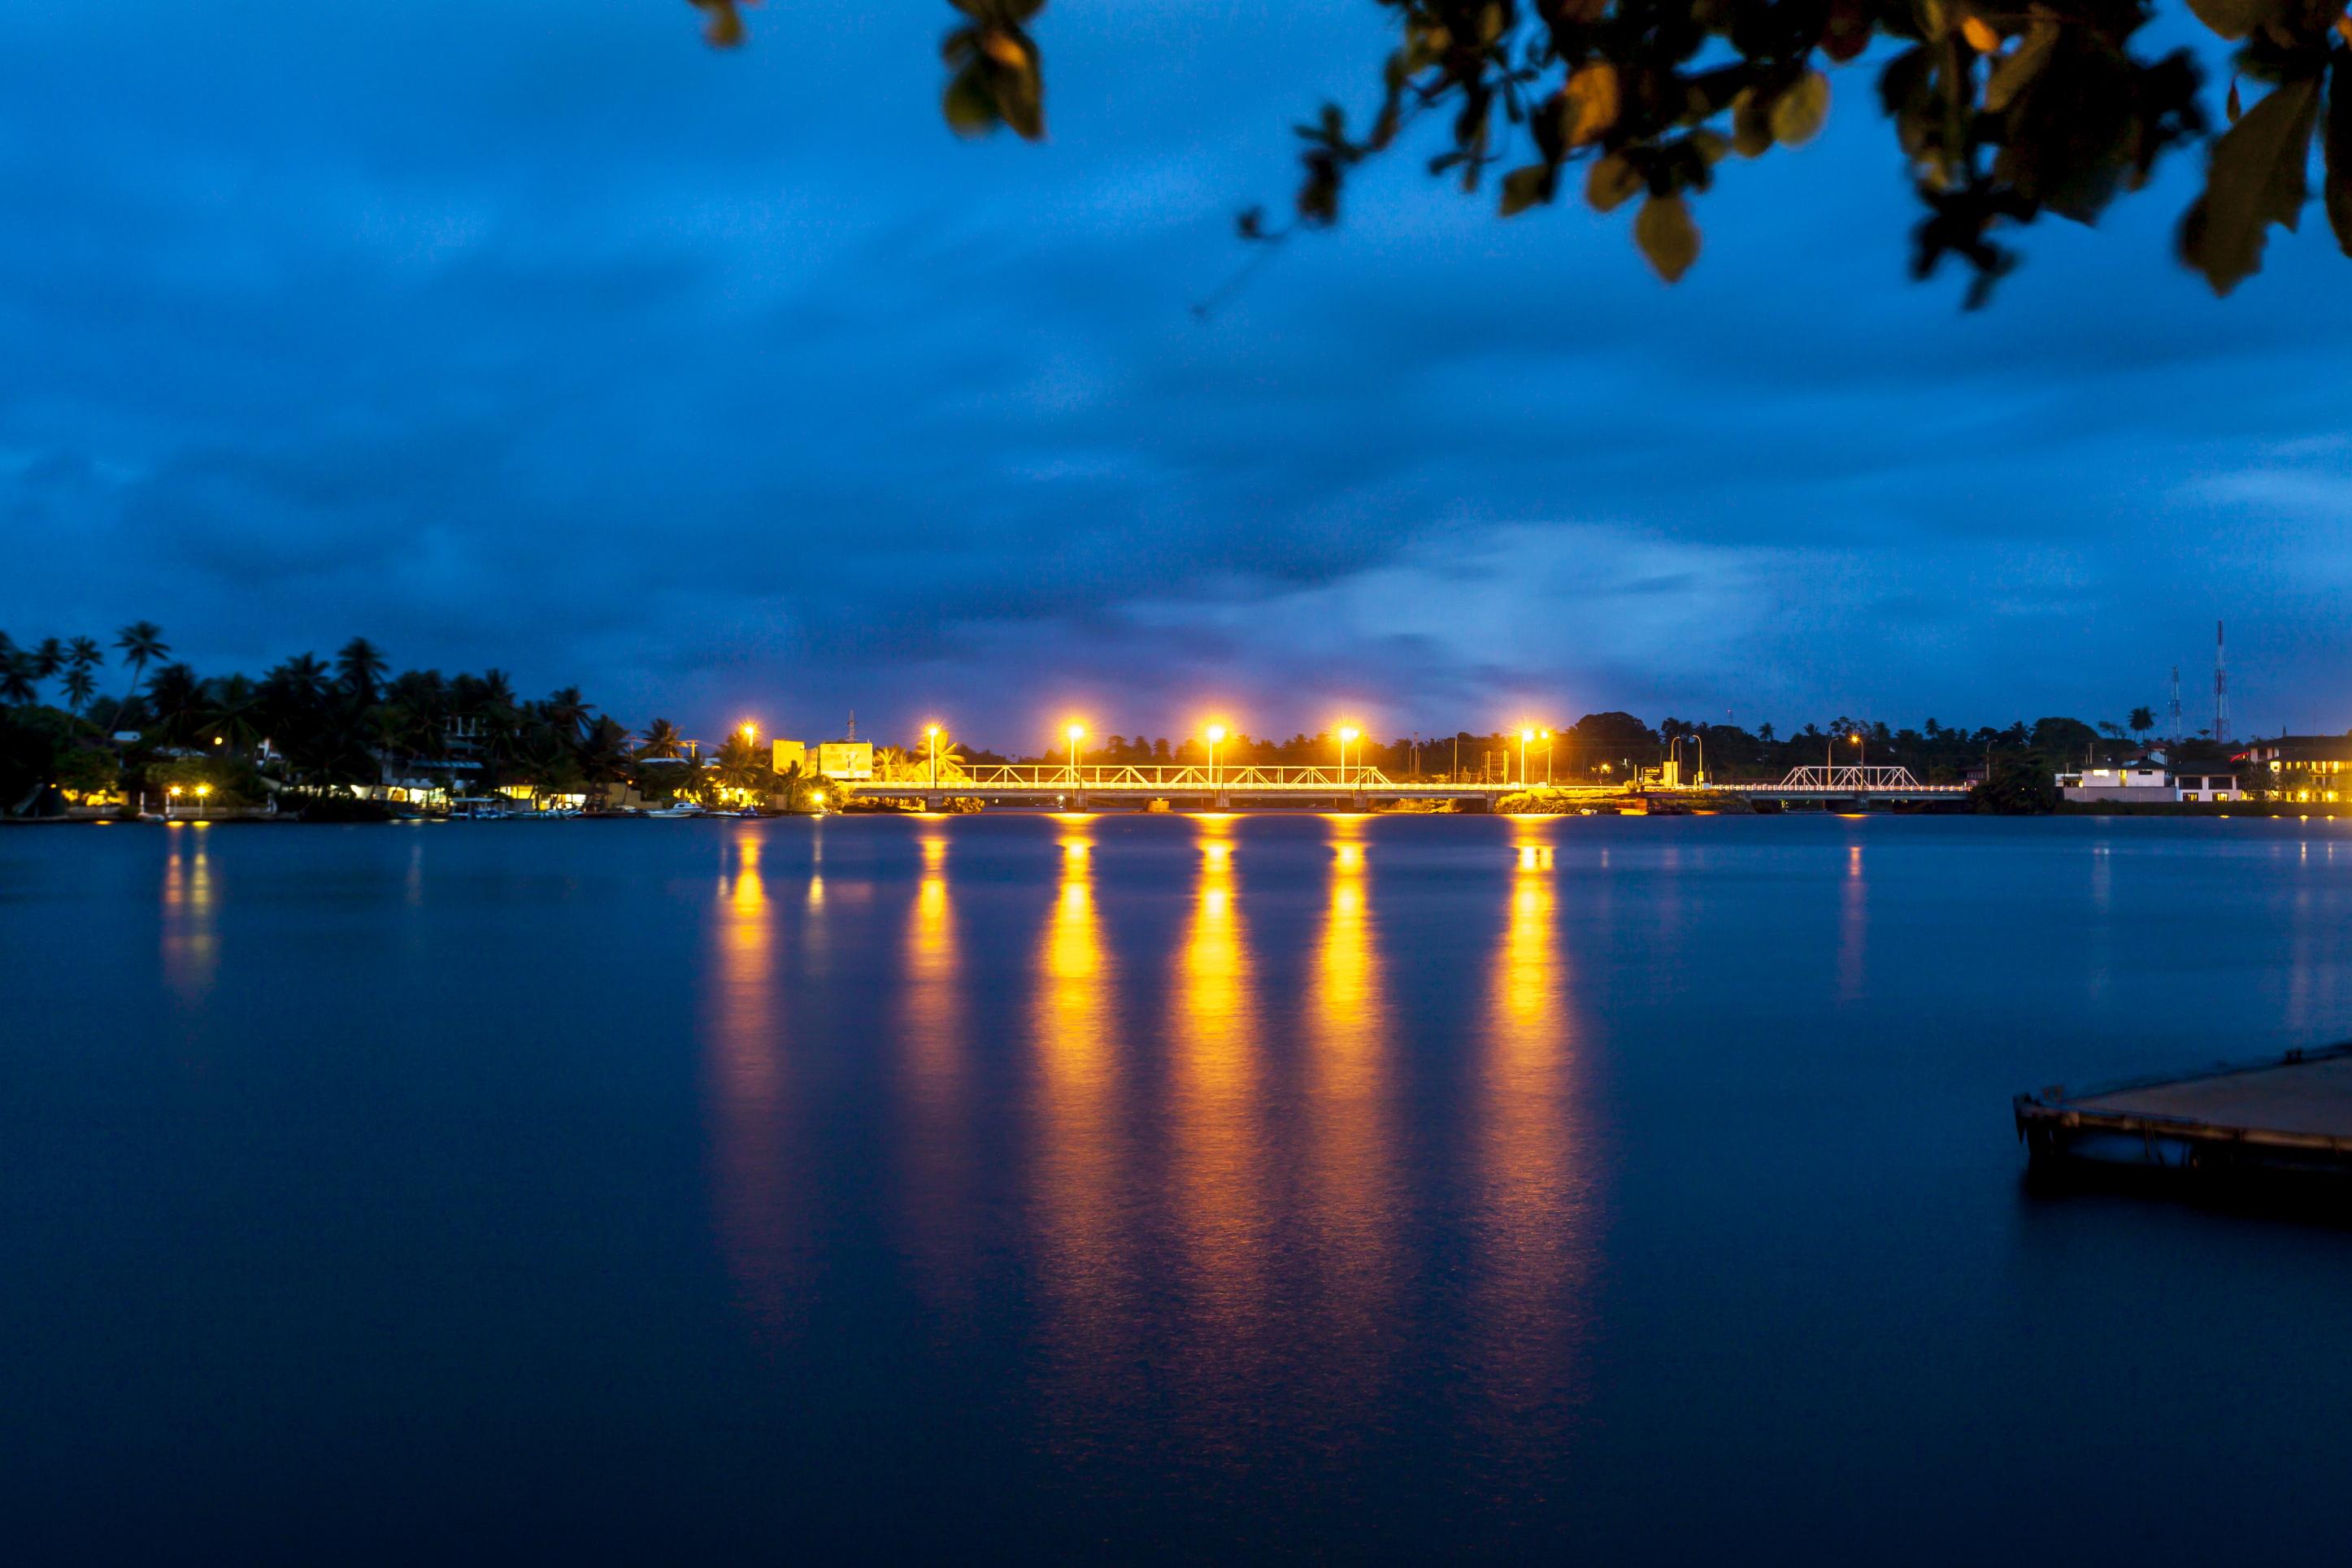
x=1076, y=732
x=1214, y=734
x=932, y=735
x=202, y=791
x=1525, y=736
x=751, y=730
x=1348, y=735
x=174, y=792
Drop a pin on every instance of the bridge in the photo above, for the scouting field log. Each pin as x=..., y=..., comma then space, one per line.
x=1219, y=788
x=1893, y=785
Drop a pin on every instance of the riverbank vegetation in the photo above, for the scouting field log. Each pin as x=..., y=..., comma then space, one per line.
x=74, y=732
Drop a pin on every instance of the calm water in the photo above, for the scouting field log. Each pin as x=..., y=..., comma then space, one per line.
x=1129, y=1186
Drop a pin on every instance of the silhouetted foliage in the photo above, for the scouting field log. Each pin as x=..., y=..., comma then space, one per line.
x=2002, y=111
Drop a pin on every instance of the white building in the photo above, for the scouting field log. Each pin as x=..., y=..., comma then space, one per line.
x=2147, y=783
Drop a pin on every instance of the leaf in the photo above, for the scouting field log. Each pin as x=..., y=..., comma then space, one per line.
x=1610, y=182
x=1751, y=126
x=2016, y=72
x=1849, y=30
x=1798, y=113
x=2235, y=19
x=2338, y=189
x=722, y=25
x=2256, y=178
x=1522, y=188
x=1667, y=236
x=970, y=107
x=1980, y=36
x=1590, y=102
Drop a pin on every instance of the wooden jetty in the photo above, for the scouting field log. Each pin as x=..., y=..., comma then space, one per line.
x=2289, y=1115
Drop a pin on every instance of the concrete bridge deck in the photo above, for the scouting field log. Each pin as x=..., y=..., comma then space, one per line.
x=1128, y=784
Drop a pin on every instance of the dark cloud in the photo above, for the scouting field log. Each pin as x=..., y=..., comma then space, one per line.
x=717, y=383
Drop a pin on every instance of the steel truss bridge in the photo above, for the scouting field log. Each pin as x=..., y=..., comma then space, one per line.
x=1059, y=784
x=1852, y=783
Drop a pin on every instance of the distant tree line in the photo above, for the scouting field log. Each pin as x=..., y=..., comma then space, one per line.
x=314, y=727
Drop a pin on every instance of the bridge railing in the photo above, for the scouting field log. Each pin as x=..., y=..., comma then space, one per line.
x=1186, y=779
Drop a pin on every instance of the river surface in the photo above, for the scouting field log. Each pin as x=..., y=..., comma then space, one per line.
x=1128, y=1188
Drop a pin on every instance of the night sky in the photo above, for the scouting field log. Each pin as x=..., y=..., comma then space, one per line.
x=539, y=336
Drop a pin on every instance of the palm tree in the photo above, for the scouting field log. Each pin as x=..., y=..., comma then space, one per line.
x=176, y=699
x=17, y=682
x=2142, y=720
x=142, y=642
x=81, y=685
x=662, y=739
x=83, y=653
x=360, y=666
x=49, y=659
x=234, y=713
x=567, y=711
x=739, y=765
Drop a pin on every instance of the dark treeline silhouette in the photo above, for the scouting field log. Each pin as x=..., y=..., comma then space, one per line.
x=315, y=726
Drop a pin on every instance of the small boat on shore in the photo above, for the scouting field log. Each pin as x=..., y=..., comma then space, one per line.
x=2288, y=1116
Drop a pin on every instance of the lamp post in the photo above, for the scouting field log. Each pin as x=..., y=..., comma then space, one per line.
x=1214, y=734
x=932, y=735
x=202, y=792
x=1076, y=732
x=172, y=798
x=1525, y=736
x=1346, y=735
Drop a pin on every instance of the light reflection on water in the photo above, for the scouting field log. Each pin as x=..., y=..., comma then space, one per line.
x=1534, y=1223
x=933, y=1051
x=1079, y=1150
x=745, y=1038
x=1351, y=1199
x=190, y=945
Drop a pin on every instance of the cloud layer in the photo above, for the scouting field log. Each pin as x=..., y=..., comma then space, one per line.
x=537, y=336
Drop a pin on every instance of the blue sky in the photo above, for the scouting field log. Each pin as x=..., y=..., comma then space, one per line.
x=537, y=335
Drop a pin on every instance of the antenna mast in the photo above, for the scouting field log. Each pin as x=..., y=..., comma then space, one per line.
x=2221, y=688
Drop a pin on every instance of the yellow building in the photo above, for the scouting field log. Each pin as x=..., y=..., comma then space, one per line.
x=850, y=760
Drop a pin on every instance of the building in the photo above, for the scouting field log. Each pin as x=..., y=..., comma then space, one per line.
x=849, y=759
x=2140, y=781
x=2208, y=782
x=2301, y=767
x=787, y=755
x=2149, y=783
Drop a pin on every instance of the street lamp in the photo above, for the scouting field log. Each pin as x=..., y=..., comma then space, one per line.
x=1076, y=732
x=175, y=793
x=932, y=734
x=1347, y=736
x=202, y=791
x=1861, y=752
x=1525, y=736
x=750, y=731
x=1214, y=734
